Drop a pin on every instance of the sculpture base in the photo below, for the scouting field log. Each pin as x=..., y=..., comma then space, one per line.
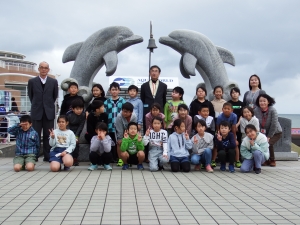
x=286, y=156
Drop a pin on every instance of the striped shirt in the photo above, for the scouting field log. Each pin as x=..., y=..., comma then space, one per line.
x=27, y=142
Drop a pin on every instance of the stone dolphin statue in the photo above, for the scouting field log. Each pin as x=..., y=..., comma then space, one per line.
x=198, y=52
x=100, y=48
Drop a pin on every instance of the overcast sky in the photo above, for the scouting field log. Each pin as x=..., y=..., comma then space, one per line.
x=264, y=37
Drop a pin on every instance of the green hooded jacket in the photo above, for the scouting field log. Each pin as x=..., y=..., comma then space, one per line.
x=132, y=146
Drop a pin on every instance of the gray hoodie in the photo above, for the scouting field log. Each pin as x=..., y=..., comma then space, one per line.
x=101, y=146
x=121, y=124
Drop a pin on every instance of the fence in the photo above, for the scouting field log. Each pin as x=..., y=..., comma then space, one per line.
x=14, y=102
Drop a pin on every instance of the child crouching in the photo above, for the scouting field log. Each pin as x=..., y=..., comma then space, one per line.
x=63, y=142
x=203, y=144
x=27, y=144
x=254, y=149
x=179, y=145
x=100, y=150
x=158, y=145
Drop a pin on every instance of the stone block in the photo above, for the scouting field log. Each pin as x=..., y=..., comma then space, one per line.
x=284, y=143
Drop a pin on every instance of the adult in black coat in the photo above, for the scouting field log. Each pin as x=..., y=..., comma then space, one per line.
x=153, y=90
x=42, y=92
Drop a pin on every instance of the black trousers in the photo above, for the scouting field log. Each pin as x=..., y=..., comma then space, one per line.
x=105, y=158
x=176, y=166
x=45, y=125
x=114, y=148
x=225, y=156
x=76, y=152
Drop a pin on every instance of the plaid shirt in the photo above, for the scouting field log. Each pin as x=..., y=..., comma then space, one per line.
x=27, y=142
x=112, y=111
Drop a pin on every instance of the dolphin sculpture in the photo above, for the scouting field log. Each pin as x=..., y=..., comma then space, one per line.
x=100, y=48
x=198, y=52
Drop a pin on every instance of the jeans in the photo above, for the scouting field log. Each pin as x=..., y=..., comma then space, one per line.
x=204, y=158
x=257, y=160
x=155, y=157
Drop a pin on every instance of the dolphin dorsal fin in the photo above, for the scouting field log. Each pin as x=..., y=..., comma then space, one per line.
x=111, y=62
x=189, y=63
x=226, y=56
x=71, y=52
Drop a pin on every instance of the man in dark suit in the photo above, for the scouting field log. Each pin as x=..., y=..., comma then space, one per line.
x=42, y=92
x=153, y=91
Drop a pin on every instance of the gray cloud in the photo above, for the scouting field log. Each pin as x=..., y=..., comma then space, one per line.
x=263, y=36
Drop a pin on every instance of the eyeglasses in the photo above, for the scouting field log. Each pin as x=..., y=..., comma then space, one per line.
x=44, y=68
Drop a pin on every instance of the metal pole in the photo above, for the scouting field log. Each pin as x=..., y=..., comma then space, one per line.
x=149, y=62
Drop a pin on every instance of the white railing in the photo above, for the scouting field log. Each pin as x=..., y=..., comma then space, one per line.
x=2, y=64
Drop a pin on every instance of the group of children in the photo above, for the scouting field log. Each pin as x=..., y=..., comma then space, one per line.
x=178, y=135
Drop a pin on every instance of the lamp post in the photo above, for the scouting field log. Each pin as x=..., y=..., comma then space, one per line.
x=151, y=46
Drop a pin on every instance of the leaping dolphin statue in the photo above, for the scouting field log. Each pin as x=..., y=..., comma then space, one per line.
x=100, y=48
x=198, y=52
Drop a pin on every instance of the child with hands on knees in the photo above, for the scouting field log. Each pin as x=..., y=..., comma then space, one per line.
x=158, y=145
x=179, y=145
x=100, y=150
x=254, y=149
x=203, y=144
x=132, y=148
x=63, y=142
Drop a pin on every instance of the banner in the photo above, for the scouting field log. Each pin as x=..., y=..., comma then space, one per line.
x=125, y=82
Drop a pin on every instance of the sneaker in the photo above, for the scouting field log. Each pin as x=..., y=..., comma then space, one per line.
x=238, y=164
x=93, y=167
x=209, y=169
x=107, y=167
x=120, y=162
x=66, y=168
x=75, y=163
x=213, y=163
x=258, y=170
x=197, y=167
x=125, y=167
x=223, y=167
x=202, y=166
x=140, y=166
x=160, y=168
x=231, y=168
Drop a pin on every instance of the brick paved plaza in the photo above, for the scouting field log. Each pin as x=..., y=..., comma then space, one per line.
x=141, y=197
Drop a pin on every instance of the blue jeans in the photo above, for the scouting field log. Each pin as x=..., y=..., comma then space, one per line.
x=257, y=160
x=204, y=158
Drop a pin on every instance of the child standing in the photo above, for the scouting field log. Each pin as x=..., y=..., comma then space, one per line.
x=237, y=106
x=137, y=104
x=155, y=110
x=68, y=98
x=218, y=100
x=132, y=147
x=197, y=103
x=226, y=144
x=98, y=94
x=203, y=144
x=254, y=149
x=76, y=119
x=63, y=142
x=203, y=114
x=183, y=114
x=170, y=108
x=27, y=144
x=100, y=150
x=113, y=107
x=179, y=145
x=97, y=115
x=158, y=144
x=248, y=118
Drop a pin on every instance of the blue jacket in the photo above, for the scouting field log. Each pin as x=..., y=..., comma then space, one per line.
x=178, y=146
x=227, y=143
x=137, y=108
